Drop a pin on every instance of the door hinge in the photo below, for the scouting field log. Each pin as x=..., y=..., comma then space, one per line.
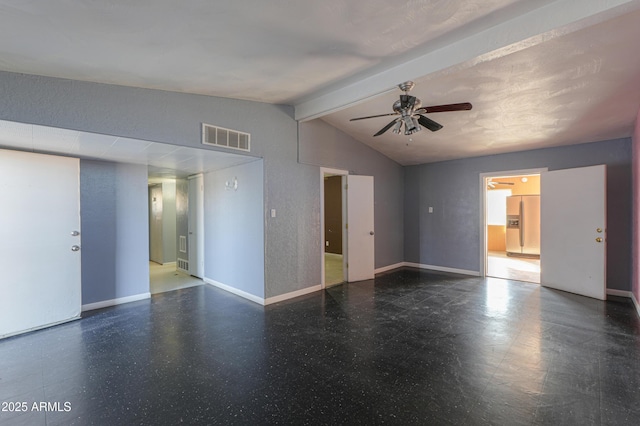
x=347, y=264
x=346, y=186
x=346, y=226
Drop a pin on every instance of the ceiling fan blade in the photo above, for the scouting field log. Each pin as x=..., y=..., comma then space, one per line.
x=373, y=116
x=429, y=123
x=465, y=106
x=387, y=127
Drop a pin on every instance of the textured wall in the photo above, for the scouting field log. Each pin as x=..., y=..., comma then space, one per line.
x=636, y=210
x=234, y=228
x=291, y=241
x=323, y=145
x=450, y=236
x=115, y=233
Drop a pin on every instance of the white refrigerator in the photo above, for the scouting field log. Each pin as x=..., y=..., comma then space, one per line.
x=523, y=225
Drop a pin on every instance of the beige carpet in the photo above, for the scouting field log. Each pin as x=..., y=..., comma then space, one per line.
x=333, y=269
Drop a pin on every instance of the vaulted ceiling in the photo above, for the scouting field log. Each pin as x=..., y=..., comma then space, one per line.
x=538, y=72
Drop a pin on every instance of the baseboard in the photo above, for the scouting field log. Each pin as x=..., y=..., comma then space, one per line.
x=442, y=269
x=169, y=263
x=291, y=295
x=624, y=293
x=635, y=302
x=389, y=267
x=621, y=293
x=244, y=294
x=113, y=302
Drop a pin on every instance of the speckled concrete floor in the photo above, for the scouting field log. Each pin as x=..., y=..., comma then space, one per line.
x=410, y=347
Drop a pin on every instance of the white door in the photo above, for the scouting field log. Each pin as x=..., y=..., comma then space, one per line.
x=573, y=230
x=360, y=229
x=39, y=241
x=196, y=226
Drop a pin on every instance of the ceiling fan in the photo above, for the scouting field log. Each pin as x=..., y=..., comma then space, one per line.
x=491, y=184
x=411, y=111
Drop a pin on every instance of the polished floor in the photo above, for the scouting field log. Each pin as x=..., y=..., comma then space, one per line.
x=164, y=278
x=410, y=347
x=499, y=265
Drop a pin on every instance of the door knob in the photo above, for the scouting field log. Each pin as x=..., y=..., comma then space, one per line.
x=371, y=233
x=75, y=248
x=599, y=239
x=599, y=230
x=75, y=233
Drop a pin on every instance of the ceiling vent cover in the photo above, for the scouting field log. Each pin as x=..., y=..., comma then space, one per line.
x=227, y=138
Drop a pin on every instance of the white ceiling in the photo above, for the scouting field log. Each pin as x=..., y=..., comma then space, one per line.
x=538, y=72
x=165, y=161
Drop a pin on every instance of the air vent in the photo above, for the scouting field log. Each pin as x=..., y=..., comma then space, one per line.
x=183, y=265
x=183, y=243
x=227, y=138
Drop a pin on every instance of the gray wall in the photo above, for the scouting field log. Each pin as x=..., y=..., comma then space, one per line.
x=323, y=145
x=115, y=251
x=291, y=241
x=182, y=216
x=234, y=228
x=450, y=237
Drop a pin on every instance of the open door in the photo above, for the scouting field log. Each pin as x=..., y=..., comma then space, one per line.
x=360, y=228
x=39, y=241
x=573, y=231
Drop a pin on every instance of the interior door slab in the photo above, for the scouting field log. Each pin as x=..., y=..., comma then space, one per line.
x=39, y=241
x=360, y=228
x=573, y=230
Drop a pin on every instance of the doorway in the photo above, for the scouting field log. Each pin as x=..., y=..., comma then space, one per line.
x=511, y=225
x=333, y=209
x=169, y=229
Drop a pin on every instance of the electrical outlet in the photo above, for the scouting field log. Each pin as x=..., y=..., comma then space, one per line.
x=430, y=209
x=326, y=243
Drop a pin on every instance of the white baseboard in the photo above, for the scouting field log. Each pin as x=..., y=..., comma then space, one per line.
x=244, y=294
x=442, y=269
x=635, y=302
x=621, y=293
x=260, y=300
x=113, y=302
x=389, y=267
x=624, y=293
x=169, y=263
x=291, y=295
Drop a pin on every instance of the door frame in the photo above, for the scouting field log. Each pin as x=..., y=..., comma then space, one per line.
x=483, y=207
x=196, y=208
x=325, y=171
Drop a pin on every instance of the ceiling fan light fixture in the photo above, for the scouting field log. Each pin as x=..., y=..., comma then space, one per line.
x=416, y=125
x=408, y=123
x=397, y=127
